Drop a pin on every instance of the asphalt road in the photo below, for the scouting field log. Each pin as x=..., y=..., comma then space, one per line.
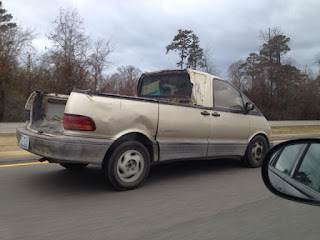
x=216, y=199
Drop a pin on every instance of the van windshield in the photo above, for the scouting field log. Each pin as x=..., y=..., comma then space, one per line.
x=166, y=85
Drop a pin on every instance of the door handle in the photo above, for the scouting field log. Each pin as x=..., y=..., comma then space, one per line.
x=205, y=113
x=215, y=114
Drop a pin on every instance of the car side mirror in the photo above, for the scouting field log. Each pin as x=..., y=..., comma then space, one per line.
x=291, y=170
x=249, y=106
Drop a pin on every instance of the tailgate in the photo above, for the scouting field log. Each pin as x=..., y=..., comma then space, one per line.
x=44, y=112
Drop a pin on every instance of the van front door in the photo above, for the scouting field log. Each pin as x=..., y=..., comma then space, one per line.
x=229, y=131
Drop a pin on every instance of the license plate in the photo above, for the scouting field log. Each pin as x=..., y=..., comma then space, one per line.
x=24, y=142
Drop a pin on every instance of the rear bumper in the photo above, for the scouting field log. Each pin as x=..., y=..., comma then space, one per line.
x=66, y=148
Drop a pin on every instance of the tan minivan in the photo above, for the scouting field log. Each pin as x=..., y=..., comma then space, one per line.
x=177, y=114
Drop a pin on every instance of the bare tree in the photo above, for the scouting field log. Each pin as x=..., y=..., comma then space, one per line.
x=98, y=61
x=124, y=81
x=69, y=52
x=307, y=71
x=236, y=75
x=208, y=63
x=29, y=66
x=317, y=61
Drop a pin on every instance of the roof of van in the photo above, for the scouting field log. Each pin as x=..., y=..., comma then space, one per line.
x=183, y=70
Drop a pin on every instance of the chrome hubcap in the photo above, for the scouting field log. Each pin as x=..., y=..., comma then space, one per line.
x=130, y=166
x=257, y=151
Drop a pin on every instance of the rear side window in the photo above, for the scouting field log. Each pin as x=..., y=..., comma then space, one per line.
x=167, y=85
x=226, y=96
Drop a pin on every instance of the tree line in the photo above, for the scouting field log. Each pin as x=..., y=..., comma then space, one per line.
x=274, y=83
x=72, y=60
x=279, y=88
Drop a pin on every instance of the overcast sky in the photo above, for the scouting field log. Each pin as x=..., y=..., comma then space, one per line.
x=140, y=30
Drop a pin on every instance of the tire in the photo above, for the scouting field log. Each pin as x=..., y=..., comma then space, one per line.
x=256, y=151
x=128, y=166
x=74, y=166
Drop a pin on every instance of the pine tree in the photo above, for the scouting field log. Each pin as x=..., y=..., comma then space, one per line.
x=181, y=43
x=5, y=20
x=195, y=59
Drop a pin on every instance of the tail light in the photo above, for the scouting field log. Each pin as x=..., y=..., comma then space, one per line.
x=78, y=122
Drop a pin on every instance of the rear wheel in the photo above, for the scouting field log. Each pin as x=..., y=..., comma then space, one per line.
x=73, y=166
x=128, y=166
x=256, y=152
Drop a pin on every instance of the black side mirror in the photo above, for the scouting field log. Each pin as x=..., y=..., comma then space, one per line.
x=291, y=170
x=249, y=106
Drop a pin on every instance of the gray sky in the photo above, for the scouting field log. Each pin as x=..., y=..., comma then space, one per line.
x=140, y=30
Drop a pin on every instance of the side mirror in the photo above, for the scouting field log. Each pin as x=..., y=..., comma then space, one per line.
x=249, y=106
x=291, y=170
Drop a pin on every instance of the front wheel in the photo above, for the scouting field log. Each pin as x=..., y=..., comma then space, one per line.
x=128, y=166
x=256, y=151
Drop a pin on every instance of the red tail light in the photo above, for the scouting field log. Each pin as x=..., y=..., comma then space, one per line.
x=78, y=122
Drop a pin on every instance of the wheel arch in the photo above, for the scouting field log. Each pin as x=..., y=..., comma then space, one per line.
x=151, y=146
x=259, y=134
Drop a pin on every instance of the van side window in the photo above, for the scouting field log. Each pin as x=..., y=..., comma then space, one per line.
x=226, y=96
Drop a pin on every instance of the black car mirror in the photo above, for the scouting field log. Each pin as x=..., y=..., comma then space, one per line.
x=249, y=106
x=291, y=170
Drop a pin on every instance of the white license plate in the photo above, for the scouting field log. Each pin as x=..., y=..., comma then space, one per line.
x=24, y=142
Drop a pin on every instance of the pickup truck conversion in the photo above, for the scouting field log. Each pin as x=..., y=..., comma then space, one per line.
x=176, y=114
